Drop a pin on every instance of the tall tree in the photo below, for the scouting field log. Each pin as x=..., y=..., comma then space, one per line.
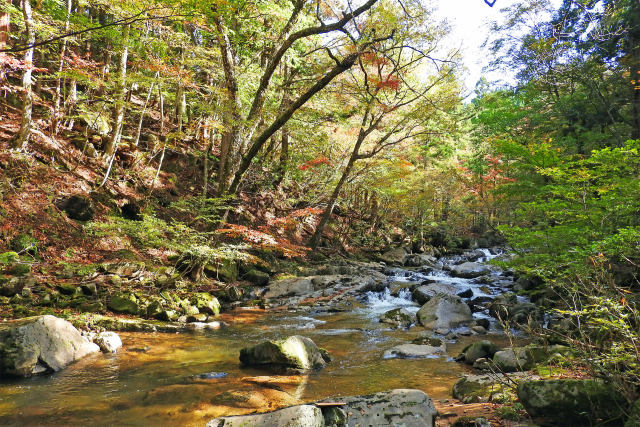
x=27, y=96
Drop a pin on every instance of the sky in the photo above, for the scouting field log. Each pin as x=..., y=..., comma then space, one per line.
x=469, y=21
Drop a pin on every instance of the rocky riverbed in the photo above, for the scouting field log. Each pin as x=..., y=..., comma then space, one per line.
x=395, y=325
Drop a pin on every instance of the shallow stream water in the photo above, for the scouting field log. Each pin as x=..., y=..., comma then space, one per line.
x=188, y=378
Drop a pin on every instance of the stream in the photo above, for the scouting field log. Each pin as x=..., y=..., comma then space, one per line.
x=189, y=378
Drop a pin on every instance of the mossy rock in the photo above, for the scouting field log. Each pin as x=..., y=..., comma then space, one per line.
x=154, y=308
x=167, y=315
x=225, y=270
x=400, y=317
x=25, y=243
x=66, y=289
x=296, y=352
x=257, y=277
x=572, y=401
x=205, y=303
x=478, y=388
x=481, y=349
x=124, y=303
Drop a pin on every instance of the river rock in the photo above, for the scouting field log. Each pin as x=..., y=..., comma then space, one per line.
x=295, y=286
x=257, y=277
x=444, y=312
x=400, y=317
x=296, y=352
x=400, y=407
x=40, y=344
x=124, y=303
x=469, y=270
x=519, y=358
x=479, y=388
x=571, y=401
x=481, y=349
x=420, y=260
x=395, y=257
x=414, y=351
x=205, y=303
x=109, y=342
x=293, y=416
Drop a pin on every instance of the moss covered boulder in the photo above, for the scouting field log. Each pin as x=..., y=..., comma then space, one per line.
x=479, y=388
x=124, y=303
x=296, y=352
x=257, y=277
x=205, y=303
x=572, y=402
x=400, y=317
x=478, y=350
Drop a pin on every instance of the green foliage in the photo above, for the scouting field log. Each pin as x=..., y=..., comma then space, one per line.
x=207, y=211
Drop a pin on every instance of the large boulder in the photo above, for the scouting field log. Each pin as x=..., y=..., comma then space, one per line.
x=400, y=407
x=478, y=350
x=415, y=351
x=419, y=260
x=423, y=293
x=293, y=416
x=572, y=402
x=395, y=256
x=444, y=312
x=295, y=286
x=519, y=358
x=408, y=408
x=40, y=344
x=296, y=352
x=469, y=270
x=257, y=277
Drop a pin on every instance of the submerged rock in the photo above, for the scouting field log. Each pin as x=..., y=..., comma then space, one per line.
x=298, y=416
x=571, y=401
x=40, y=344
x=414, y=351
x=296, y=352
x=444, y=312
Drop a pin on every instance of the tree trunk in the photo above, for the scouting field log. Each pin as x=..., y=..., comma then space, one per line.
x=315, y=239
x=144, y=110
x=27, y=100
x=284, y=158
x=118, y=110
x=63, y=51
x=4, y=39
x=231, y=137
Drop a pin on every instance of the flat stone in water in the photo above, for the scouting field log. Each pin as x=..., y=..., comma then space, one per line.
x=211, y=375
